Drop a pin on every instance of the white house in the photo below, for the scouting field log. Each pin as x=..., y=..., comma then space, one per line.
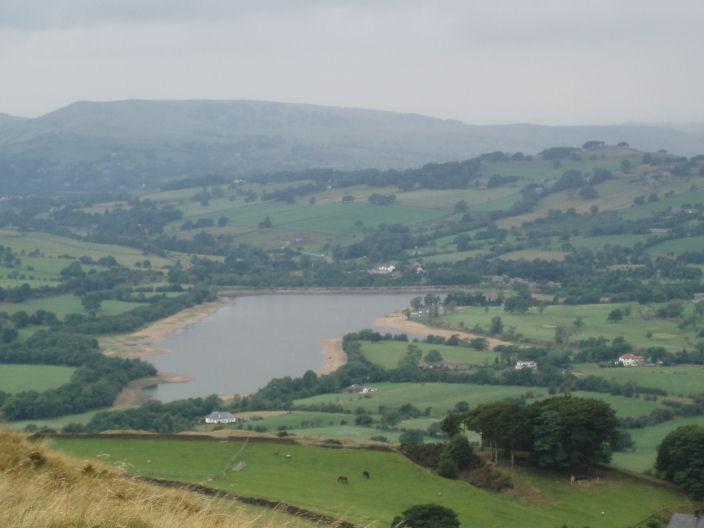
x=526, y=364
x=631, y=360
x=218, y=417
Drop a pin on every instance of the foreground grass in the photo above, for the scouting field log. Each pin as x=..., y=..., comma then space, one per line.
x=308, y=479
x=43, y=489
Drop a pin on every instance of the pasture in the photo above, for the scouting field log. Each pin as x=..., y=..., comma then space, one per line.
x=395, y=484
x=388, y=353
x=678, y=380
x=53, y=423
x=442, y=398
x=63, y=305
x=534, y=254
x=541, y=326
x=646, y=441
x=677, y=246
x=54, y=246
x=19, y=378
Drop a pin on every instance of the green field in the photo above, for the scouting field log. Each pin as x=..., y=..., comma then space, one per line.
x=676, y=380
x=388, y=353
x=595, y=243
x=646, y=441
x=442, y=397
x=54, y=246
x=677, y=246
x=308, y=479
x=541, y=327
x=19, y=378
x=63, y=305
x=53, y=423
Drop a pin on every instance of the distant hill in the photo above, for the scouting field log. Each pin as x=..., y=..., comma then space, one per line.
x=145, y=143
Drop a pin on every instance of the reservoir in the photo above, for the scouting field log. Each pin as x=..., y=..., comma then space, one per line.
x=256, y=338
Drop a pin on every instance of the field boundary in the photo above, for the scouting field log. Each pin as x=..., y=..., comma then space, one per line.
x=255, y=501
x=42, y=435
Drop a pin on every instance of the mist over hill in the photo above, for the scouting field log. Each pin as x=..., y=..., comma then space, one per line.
x=139, y=143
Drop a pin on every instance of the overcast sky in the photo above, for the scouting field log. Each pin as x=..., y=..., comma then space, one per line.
x=479, y=61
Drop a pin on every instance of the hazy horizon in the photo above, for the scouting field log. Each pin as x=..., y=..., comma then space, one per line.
x=505, y=62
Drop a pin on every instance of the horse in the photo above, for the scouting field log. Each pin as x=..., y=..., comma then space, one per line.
x=365, y=474
x=342, y=479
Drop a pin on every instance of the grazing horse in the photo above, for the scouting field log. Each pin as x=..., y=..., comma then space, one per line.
x=342, y=479
x=365, y=474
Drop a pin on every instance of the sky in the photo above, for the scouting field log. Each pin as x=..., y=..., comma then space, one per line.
x=557, y=62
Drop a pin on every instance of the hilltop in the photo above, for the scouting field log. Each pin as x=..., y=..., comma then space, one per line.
x=135, y=143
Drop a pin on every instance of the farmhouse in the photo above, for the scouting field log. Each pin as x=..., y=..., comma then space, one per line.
x=217, y=417
x=443, y=365
x=359, y=389
x=631, y=360
x=520, y=365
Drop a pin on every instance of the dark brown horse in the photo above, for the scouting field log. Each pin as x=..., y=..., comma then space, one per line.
x=365, y=474
x=342, y=479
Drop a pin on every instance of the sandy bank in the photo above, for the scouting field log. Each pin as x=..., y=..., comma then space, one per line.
x=335, y=357
x=138, y=343
x=132, y=395
x=398, y=321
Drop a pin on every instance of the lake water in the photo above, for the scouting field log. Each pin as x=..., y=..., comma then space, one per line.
x=243, y=345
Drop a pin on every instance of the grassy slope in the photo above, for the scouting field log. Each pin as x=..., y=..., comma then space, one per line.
x=395, y=485
x=40, y=488
x=54, y=246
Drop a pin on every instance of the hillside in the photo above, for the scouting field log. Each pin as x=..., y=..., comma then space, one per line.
x=42, y=488
x=130, y=144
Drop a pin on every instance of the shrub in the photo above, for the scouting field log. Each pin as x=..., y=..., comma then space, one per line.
x=412, y=436
x=447, y=467
x=426, y=455
x=427, y=516
x=488, y=477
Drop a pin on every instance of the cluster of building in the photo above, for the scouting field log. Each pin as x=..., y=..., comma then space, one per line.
x=221, y=417
x=631, y=360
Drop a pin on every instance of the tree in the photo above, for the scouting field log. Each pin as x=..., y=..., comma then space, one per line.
x=615, y=315
x=459, y=451
x=497, y=325
x=594, y=144
x=433, y=357
x=412, y=436
x=460, y=207
x=426, y=516
x=681, y=458
x=572, y=433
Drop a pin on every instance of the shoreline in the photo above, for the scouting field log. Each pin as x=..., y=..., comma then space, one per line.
x=398, y=321
x=335, y=357
x=139, y=344
x=363, y=290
